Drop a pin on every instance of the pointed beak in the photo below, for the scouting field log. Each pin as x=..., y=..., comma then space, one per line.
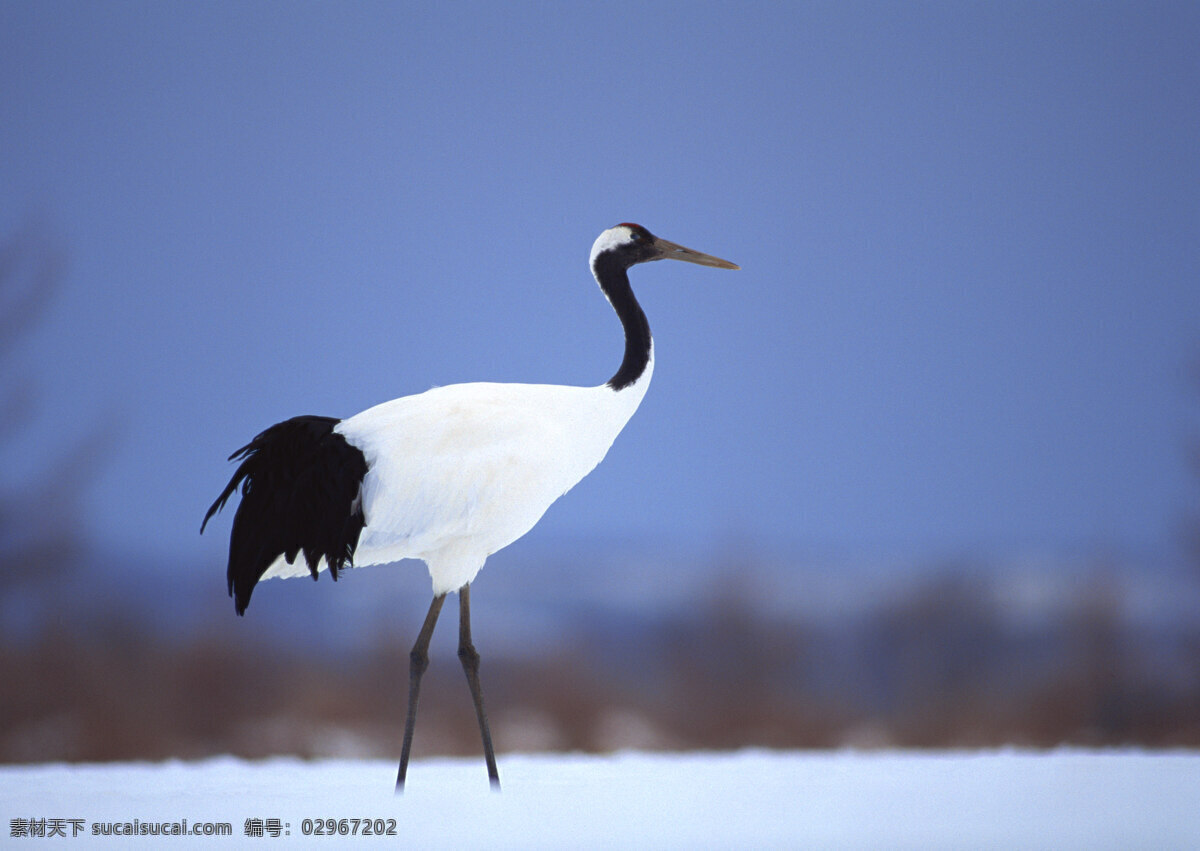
x=671, y=251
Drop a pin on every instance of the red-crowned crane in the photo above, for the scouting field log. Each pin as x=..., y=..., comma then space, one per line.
x=448, y=476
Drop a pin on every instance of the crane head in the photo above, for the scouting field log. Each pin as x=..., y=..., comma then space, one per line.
x=628, y=244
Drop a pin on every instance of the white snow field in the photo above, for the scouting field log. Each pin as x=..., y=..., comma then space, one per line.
x=750, y=799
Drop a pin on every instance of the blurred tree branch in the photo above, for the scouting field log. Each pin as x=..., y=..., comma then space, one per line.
x=40, y=529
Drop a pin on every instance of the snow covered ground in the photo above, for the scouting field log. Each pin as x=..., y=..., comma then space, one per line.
x=750, y=799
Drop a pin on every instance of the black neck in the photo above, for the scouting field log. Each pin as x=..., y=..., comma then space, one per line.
x=614, y=282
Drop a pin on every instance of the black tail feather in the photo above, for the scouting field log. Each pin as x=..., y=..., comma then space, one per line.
x=300, y=483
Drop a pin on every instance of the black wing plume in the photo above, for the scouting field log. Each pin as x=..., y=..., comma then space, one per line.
x=300, y=483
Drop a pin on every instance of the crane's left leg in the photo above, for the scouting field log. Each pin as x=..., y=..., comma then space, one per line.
x=418, y=662
x=470, y=662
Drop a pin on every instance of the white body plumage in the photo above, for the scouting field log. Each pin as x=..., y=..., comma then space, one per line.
x=457, y=473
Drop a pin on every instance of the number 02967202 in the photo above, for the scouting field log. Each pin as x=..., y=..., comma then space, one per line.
x=348, y=827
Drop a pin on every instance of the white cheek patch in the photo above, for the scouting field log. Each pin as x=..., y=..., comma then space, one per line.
x=611, y=238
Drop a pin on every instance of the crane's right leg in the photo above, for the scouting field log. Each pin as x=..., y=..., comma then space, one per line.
x=418, y=661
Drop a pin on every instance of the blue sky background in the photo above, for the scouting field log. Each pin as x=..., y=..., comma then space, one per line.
x=968, y=316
